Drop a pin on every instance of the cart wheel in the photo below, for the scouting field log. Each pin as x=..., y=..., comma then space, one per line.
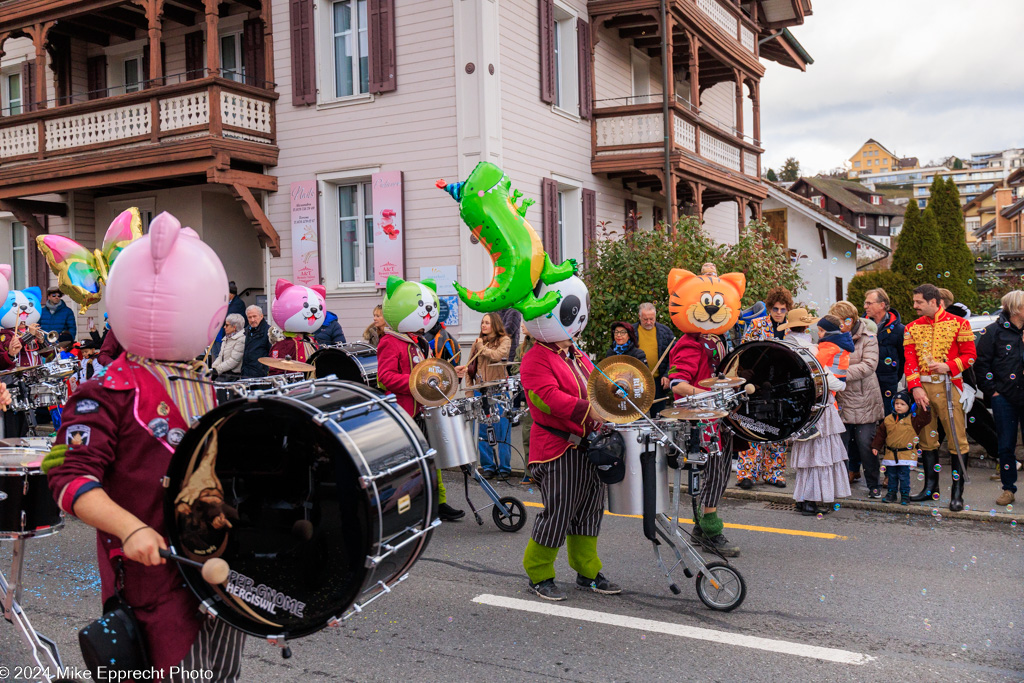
x=731, y=589
x=516, y=511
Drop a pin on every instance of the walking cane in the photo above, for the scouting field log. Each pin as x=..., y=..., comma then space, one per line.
x=952, y=424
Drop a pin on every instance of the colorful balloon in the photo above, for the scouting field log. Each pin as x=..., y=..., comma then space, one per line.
x=517, y=253
x=569, y=316
x=80, y=272
x=705, y=304
x=411, y=306
x=167, y=293
x=299, y=309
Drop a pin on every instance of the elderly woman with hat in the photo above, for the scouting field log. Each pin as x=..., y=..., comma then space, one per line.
x=625, y=342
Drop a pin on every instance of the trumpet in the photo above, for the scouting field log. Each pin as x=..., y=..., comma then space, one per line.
x=50, y=345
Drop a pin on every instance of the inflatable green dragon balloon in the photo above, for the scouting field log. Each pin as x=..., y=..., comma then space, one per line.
x=516, y=251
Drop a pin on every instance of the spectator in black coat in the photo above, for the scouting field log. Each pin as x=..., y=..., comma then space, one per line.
x=624, y=342
x=257, y=343
x=890, y=344
x=663, y=340
x=512, y=320
x=330, y=332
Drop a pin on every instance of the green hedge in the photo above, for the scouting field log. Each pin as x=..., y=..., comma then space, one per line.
x=899, y=289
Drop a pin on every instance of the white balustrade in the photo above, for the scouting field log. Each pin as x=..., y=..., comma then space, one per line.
x=747, y=38
x=685, y=134
x=721, y=16
x=719, y=151
x=182, y=111
x=19, y=140
x=630, y=130
x=750, y=163
x=92, y=128
x=245, y=112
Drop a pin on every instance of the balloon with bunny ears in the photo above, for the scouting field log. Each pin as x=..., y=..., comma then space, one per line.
x=167, y=294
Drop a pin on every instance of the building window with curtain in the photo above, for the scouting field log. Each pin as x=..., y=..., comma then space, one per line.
x=19, y=256
x=355, y=225
x=351, y=48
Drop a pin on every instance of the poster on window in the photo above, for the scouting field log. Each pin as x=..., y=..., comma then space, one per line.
x=305, y=237
x=449, y=309
x=443, y=276
x=388, y=226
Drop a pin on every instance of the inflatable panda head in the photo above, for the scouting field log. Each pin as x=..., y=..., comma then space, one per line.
x=568, y=318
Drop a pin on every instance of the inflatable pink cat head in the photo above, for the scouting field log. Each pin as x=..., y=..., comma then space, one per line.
x=297, y=308
x=167, y=293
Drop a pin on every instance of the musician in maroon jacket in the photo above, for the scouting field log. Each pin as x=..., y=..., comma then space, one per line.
x=119, y=433
x=554, y=374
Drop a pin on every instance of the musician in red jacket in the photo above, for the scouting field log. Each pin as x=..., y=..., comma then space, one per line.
x=554, y=374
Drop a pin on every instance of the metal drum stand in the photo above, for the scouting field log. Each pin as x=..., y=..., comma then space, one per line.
x=44, y=650
x=508, y=513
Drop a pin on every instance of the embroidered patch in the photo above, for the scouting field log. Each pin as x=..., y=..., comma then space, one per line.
x=273, y=354
x=86, y=406
x=175, y=436
x=158, y=427
x=163, y=410
x=78, y=435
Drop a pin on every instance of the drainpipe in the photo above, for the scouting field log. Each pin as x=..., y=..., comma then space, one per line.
x=669, y=199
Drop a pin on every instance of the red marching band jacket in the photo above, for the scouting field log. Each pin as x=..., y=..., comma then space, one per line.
x=946, y=338
x=555, y=383
x=397, y=353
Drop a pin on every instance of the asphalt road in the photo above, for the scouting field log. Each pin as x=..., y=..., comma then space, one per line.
x=895, y=598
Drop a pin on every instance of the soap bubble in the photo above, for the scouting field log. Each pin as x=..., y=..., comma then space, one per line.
x=927, y=626
x=1013, y=524
x=831, y=577
x=974, y=559
x=1009, y=347
x=988, y=375
x=970, y=281
x=835, y=260
x=934, y=433
x=920, y=476
x=820, y=516
x=956, y=476
x=836, y=506
x=972, y=420
x=938, y=518
x=882, y=469
x=920, y=266
x=964, y=647
x=924, y=591
x=938, y=467
x=848, y=254
x=888, y=361
x=1009, y=508
x=935, y=512
x=952, y=548
x=935, y=496
x=946, y=274
x=821, y=598
x=988, y=643
x=992, y=512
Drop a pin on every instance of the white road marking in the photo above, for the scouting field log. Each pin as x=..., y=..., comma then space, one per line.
x=827, y=654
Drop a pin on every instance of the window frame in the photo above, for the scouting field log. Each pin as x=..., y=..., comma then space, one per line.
x=19, y=275
x=328, y=185
x=570, y=218
x=238, y=74
x=117, y=55
x=326, y=79
x=6, y=104
x=566, y=56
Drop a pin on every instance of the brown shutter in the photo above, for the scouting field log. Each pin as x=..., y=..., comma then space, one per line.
x=546, y=14
x=381, y=26
x=549, y=218
x=589, y=221
x=28, y=86
x=96, y=76
x=585, y=68
x=194, y=55
x=658, y=215
x=631, y=210
x=303, y=53
x=253, y=60
x=60, y=59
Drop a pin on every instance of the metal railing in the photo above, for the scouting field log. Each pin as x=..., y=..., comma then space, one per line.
x=1000, y=247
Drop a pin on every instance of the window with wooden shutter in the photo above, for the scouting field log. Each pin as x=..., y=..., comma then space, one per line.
x=303, y=49
x=253, y=57
x=585, y=69
x=60, y=59
x=382, y=46
x=194, y=55
x=28, y=85
x=546, y=14
x=96, y=76
x=549, y=217
x=589, y=220
x=631, y=215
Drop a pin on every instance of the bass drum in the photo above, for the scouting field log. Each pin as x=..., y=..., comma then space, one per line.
x=354, y=362
x=789, y=390
x=320, y=498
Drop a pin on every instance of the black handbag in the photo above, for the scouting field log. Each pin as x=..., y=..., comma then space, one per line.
x=606, y=452
x=114, y=641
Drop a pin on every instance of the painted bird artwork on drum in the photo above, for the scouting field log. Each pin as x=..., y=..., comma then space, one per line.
x=705, y=304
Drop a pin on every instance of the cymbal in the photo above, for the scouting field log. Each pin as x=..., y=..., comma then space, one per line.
x=286, y=365
x=628, y=374
x=17, y=371
x=489, y=385
x=721, y=382
x=693, y=414
x=433, y=382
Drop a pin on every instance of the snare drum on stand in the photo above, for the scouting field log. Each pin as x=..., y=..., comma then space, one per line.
x=354, y=362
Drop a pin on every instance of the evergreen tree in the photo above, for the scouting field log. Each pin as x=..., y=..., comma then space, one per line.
x=790, y=170
x=917, y=256
x=956, y=258
x=771, y=176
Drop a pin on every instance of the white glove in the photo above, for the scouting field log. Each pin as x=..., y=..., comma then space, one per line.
x=967, y=397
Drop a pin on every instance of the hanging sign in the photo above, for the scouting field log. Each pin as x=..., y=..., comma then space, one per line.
x=388, y=226
x=305, y=236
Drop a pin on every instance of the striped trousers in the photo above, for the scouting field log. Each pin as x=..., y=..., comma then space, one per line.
x=716, y=472
x=216, y=653
x=573, y=498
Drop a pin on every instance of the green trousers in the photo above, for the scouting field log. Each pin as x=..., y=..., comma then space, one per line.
x=539, y=560
x=442, y=494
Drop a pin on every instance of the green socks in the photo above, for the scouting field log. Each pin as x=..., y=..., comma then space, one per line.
x=539, y=561
x=711, y=525
x=583, y=555
x=442, y=494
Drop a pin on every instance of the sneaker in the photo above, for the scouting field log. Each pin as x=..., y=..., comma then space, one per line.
x=890, y=497
x=745, y=484
x=548, y=590
x=488, y=474
x=874, y=493
x=598, y=585
x=448, y=513
x=527, y=481
x=1005, y=498
x=719, y=542
x=905, y=498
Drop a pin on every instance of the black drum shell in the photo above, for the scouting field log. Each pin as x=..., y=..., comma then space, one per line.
x=352, y=363
x=42, y=516
x=287, y=473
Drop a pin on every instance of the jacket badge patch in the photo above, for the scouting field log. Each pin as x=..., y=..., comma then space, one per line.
x=86, y=406
x=78, y=435
x=163, y=410
x=158, y=427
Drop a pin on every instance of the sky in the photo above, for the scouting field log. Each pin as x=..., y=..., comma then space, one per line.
x=926, y=78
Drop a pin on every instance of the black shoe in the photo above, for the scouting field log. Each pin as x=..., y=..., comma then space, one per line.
x=890, y=497
x=905, y=498
x=779, y=484
x=548, y=590
x=874, y=493
x=488, y=474
x=745, y=484
x=449, y=514
x=719, y=543
x=598, y=585
x=956, y=492
x=931, y=478
x=807, y=508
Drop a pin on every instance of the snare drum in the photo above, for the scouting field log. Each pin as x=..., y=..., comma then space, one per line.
x=627, y=497
x=61, y=368
x=240, y=388
x=27, y=508
x=320, y=497
x=451, y=435
x=354, y=362
x=790, y=393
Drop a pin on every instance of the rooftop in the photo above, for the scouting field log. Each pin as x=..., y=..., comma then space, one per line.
x=846, y=193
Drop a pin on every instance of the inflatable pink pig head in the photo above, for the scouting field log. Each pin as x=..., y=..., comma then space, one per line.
x=298, y=309
x=5, y=280
x=167, y=293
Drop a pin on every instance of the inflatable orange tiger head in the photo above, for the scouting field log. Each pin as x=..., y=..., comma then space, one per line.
x=704, y=304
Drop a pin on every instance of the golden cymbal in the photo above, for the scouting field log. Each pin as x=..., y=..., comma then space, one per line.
x=693, y=414
x=433, y=382
x=721, y=382
x=627, y=374
x=286, y=365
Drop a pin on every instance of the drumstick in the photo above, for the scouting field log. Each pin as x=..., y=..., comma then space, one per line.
x=207, y=354
x=215, y=570
x=658, y=364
